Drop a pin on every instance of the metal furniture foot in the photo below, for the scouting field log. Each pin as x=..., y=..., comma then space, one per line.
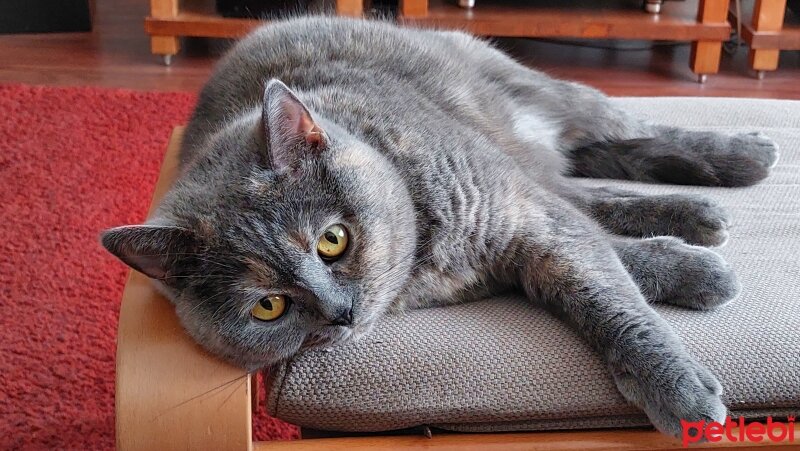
x=653, y=6
x=761, y=74
x=166, y=47
x=469, y=4
x=702, y=78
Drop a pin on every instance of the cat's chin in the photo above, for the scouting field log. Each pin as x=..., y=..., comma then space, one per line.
x=361, y=330
x=328, y=337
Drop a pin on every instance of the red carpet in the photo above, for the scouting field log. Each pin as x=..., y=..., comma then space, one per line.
x=72, y=162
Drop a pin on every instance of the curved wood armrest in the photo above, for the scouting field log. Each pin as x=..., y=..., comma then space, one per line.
x=170, y=394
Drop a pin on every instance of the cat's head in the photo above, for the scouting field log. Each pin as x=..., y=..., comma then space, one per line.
x=285, y=232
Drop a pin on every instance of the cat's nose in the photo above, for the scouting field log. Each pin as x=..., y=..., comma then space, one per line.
x=345, y=318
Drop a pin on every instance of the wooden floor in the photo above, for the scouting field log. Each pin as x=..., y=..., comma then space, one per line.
x=117, y=54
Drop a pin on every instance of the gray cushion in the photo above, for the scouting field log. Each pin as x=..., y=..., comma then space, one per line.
x=501, y=364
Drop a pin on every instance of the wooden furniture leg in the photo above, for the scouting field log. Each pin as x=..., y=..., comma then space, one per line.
x=170, y=394
x=166, y=46
x=414, y=8
x=350, y=8
x=706, y=54
x=767, y=17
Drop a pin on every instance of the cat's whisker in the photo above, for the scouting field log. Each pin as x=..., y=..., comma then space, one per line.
x=224, y=307
x=399, y=268
x=195, y=254
x=203, y=302
x=421, y=261
x=222, y=386
x=204, y=257
x=391, y=272
x=204, y=276
x=404, y=258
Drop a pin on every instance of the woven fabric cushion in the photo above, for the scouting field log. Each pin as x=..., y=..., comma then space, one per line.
x=502, y=364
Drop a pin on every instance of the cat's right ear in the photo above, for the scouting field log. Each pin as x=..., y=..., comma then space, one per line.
x=152, y=250
x=290, y=131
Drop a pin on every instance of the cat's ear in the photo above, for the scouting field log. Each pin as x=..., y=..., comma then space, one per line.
x=289, y=129
x=150, y=249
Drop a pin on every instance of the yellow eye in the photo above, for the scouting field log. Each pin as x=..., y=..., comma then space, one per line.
x=270, y=308
x=332, y=243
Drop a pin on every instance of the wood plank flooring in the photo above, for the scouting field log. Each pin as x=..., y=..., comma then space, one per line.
x=116, y=54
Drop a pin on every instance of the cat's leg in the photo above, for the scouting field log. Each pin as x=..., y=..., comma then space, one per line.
x=578, y=274
x=678, y=156
x=667, y=270
x=602, y=141
x=696, y=219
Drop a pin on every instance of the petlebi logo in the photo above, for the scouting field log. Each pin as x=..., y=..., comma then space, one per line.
x=754, y=431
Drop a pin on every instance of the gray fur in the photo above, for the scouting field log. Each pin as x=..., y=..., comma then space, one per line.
x=681, y=157
x=445, y=160
x=696, y=219
x=669, y=271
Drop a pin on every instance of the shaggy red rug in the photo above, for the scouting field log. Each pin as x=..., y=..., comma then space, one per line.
x=72, y=162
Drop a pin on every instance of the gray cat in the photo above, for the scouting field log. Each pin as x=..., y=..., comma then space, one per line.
x=336, y=170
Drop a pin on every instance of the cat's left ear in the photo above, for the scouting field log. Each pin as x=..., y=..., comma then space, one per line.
x=153, y=250
x=289, y=129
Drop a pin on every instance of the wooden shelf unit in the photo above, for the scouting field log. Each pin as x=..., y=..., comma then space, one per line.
x=169, y=20
x=767, y=28
x=703, y=23
x=512, y=18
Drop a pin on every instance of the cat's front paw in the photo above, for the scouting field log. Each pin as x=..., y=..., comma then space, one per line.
x=697, y=220
x=698, y=277
x=674, y=391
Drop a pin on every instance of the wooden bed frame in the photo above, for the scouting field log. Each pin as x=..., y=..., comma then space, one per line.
x=172, y=395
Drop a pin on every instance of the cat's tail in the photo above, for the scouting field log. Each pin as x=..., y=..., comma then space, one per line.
x=741, y=161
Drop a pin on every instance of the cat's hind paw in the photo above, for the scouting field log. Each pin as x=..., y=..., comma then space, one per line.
x=746, y=160
x=757, y=146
